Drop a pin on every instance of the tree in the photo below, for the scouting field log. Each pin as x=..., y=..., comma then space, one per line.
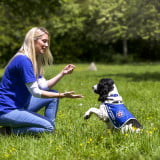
x=110, y=21
x=79, y=28
x=62, y=19
x=16, y=17
x=67, y=27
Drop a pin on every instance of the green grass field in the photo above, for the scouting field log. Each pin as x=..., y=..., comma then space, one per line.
x=79, y=139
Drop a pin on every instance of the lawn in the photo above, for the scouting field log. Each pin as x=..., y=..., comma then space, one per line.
x=79, y=139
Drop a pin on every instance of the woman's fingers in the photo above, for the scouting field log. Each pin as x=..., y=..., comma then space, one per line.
x=71, y=94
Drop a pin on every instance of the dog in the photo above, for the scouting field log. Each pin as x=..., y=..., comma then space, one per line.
x=112, y=110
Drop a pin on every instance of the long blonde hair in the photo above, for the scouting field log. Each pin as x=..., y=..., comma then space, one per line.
x=28, y=49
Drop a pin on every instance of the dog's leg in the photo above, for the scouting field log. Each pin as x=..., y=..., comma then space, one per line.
x=96, y=111
x=101, y=113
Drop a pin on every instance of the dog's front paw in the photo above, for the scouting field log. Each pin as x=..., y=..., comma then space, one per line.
x=86, y=116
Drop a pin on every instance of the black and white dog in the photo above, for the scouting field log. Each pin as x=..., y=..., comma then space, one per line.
x=112, y=110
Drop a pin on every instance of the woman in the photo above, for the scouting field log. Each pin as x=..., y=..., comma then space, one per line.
x=24, y=90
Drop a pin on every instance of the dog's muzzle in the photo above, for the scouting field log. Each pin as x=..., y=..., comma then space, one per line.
x=94, y=88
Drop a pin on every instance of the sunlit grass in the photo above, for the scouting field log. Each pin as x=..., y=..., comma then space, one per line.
x=78, y=139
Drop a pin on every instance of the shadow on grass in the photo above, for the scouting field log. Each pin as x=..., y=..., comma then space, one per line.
x=148, y=76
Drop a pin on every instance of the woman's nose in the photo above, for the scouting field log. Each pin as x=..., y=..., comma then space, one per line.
x=46, y=44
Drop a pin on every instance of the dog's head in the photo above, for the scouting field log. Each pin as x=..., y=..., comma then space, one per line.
x=103, y=88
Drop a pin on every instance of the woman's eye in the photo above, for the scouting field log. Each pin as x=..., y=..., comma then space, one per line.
x=44, y=40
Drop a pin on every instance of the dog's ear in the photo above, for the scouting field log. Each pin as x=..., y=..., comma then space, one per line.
x=102, y=98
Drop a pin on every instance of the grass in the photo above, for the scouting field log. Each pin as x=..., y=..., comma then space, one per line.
x=79, y=139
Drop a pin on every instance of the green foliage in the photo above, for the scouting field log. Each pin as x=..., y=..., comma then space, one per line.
x=123, y=19
x=78, y=139
x=67, y=26
x=81, y=28
x=61, y=18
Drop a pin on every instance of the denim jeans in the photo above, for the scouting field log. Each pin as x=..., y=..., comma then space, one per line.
x=26, y=120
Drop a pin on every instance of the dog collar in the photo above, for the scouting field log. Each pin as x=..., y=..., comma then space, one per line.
x=113, y=95
x=119, y=102
x=111, y=101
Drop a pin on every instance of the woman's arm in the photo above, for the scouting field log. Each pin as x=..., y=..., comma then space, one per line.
x=67, y=70
x=46, y=94
x=37, y=92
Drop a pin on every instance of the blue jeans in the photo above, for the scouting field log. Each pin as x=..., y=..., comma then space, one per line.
x=26, y=120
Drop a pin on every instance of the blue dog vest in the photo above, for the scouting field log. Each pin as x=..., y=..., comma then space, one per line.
x=118, y=114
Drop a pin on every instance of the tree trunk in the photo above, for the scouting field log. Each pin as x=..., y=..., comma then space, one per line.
x=125, y=48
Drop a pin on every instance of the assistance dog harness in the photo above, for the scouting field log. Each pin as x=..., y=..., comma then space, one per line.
x=118, y=113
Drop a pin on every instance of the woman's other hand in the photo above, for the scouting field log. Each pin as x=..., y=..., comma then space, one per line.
x=70, y=94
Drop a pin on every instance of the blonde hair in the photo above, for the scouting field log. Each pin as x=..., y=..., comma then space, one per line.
x=28, y=49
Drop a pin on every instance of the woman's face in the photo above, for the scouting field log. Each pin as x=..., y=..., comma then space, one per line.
x=41, y=44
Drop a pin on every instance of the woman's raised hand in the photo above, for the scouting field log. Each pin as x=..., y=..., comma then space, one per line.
x=68, y=69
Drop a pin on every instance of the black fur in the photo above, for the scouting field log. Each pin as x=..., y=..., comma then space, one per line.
x=105, y=85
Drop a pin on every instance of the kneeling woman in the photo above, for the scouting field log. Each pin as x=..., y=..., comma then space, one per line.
x=24, y=90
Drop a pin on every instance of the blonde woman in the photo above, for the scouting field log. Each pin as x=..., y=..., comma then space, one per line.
x=24, y=90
